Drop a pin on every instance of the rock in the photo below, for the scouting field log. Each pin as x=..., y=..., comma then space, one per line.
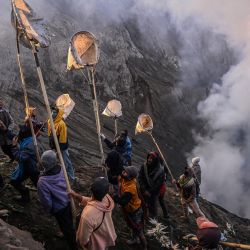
x=4, y=212
x=11, y=238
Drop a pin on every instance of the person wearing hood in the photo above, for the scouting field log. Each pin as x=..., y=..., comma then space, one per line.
x=62, y=135
x=114, y=163
x=121, y=144
x=151, y=180
x=186, y=184
x=54, y=198
x=208, y=234
x=6, y=131
x=195, y=167
x=131, y=204
x=25, y=154
x=96, y=229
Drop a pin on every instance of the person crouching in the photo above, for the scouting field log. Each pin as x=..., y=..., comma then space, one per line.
x=208, y=234
x=52, y=194
x=131, y=205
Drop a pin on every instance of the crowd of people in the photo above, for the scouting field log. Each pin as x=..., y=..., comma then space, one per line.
x=135, y=190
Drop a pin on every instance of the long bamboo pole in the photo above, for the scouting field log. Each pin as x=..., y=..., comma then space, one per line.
x=26, y=100
x=46, y=100
x=96, y=109
x=162, y=156
x=227, y=244
x=116, y=126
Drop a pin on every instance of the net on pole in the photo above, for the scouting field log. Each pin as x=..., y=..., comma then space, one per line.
x=29, y=25
x=113, y=109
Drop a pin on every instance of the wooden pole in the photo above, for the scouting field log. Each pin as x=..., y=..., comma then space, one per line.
x=227, y=244
x=116, y=126
x=162, y=156
x=46, y=100
x=26, y=100
x=96, y=109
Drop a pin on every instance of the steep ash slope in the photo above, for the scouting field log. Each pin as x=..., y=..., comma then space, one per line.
x=135, y=66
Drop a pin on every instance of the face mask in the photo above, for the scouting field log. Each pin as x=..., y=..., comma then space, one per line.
x=54, y=114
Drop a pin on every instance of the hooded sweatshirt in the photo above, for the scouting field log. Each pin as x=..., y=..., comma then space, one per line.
x=61, y=131
x=91, y=219
x=52, y=192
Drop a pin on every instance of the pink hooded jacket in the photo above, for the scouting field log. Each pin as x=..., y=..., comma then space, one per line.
x=91, y=218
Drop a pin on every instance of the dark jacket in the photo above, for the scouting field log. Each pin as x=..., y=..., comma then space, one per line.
x=151, y=178
x=6, y=136
x=114, y=163
x=26, y=157
x=125, y=149
x=208, y=237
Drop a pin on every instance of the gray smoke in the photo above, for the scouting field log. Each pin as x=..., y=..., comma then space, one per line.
x=225, y=150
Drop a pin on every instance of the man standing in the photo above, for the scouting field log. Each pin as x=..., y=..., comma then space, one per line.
x=62, y=135
x=197, y=175
x=6, y=134
x=151, y=180
x=186, y=184
x=131, y=204
x=96, y=229
x=122, y=145
x=52, y=193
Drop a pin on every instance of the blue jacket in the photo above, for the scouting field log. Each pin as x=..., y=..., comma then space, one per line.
x=26, y=157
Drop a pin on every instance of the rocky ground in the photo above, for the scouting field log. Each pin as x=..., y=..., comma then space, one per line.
x=43, y=227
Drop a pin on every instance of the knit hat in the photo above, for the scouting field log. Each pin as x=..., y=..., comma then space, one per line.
x=100, y=188
x=195, y=160
x=49, y=160
x=131, y=171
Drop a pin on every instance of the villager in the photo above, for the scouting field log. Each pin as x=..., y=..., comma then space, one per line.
x=114, y=163
x=152, y=184
x=62, y=135
x=53, y=196
x=24, y=153
x=6, y=131
x=196, y=168
x=208, y=234
x=131, y=205
x=96, y=229
x=122, y=145
x=187, y=186
x=197, y=174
